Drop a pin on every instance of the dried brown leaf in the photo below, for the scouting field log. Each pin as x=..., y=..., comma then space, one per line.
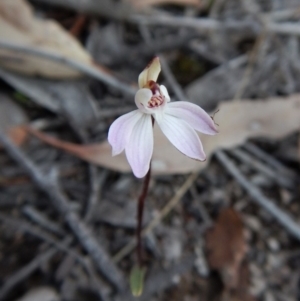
x=241, y=291
x=238, y=121
x=12, y=119
x=226, y=249
x=17, y=134
x=226, y=246
x=19, y=26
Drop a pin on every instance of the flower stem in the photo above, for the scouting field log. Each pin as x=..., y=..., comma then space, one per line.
x=141, y=203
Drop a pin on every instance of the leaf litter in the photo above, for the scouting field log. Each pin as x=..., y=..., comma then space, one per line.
x=19, y=25
x=226, y=248
x=238, y=121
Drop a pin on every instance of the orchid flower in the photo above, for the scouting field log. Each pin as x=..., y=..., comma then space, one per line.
x=178, y=120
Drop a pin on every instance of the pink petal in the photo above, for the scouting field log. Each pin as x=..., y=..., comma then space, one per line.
x=121, y=129
x=196, y=117
x=139, y=148
x=183, y=137
x=151, y=72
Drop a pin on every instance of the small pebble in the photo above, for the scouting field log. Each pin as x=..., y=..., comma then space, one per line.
x=273, y=244
x=269, y=296
x=44, y=293
x=176, y=279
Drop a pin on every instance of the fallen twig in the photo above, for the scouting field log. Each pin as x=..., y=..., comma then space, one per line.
x=282, y=217
x=207, y=25
x=282, y=15
x=259, y=166
x=250, y=65
x=287, y=28
x=90, y=70
x=259, y=153
x=83, y=233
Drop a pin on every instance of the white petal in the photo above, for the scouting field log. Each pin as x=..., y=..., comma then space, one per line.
x=183, y=137
x=196, y=117
x=151, y=72
x=120, y=131
x=142, y=97
x=139, y=148
x=159, y=113
x=165, y=92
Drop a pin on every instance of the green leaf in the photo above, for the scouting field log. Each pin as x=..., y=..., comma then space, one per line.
x=137, y=276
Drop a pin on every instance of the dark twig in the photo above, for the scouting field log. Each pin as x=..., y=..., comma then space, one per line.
x=83, y=233
x=282, y=217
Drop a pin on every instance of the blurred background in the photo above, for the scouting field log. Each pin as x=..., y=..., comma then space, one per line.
x=226, y=229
